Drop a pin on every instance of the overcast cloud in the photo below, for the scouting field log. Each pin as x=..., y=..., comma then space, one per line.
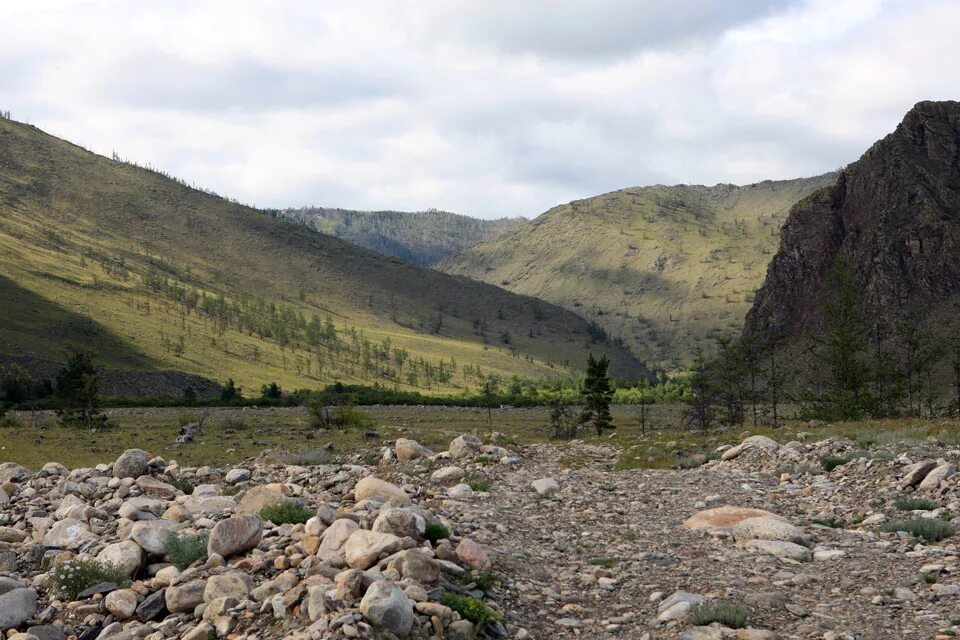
x=492, y=108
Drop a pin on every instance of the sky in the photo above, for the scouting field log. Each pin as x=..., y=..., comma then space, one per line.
x=493, y=108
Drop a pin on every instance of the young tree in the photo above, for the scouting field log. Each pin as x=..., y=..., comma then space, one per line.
x=645, y=398
x=842, y=348
x=488, y=390
x=700, y=404
x=730, y=374
x=750, y=354
x=955, y=364
x=597, y=393
x=231, y=392
x=78, y=389
x=565, y=420
x=271, y=391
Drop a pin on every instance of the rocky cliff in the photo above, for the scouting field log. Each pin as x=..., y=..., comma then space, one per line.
x=894, y=215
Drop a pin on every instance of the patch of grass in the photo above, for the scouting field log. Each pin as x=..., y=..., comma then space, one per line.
x=477, y=483
x=183, y=550
x=926, y=529
x=304, y=457
x=436, y=531
x=726, y=613
x=11, y=421
x=829, y=463
x=182, y=484
x=910, y=503
x=484, y=459
x=930, y=577
x=483, y=580
x=71, y=578
x=469, y=608
x=606, y=562
x=233, y=421
x=231, y=490
x=287, y=513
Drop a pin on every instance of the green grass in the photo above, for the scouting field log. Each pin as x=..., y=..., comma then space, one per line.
x=829, y=463
x=606, y=562
x=182, y=484
x=477, y=483
x=726, y=613
x=910, y=503
x=483, y=580
x=436, y=531
x=925, y=529
x=69, y=579
x=287, y=513
x=182, y=550
x=471, y=609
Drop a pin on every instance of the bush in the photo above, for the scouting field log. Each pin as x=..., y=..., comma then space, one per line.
x=233, y=421
x=469, y=608
x=926, y=529
x=726, y=613
x=907, y=503
x=829, y=463
x=324, y=416
x=477, y=483
x=287, y=513
x=436, y=532
x=183, y=485
x=71, y=578
x=483, y=580
x=184, y=549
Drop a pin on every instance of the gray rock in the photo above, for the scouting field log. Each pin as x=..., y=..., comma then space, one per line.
x=47, y=632
x=68, y=534
x=937, y=475
x=184, y=598
x=408, y=449
x=464, y=446
x=331, y=549
x=132, y=463
x=237, y=474
x=364, y=548
x=371, y=488
x=780, y=549
x=153, y=606
x=127, y=555
x=16, y=607
x=545, y=486
x=769, y=528
x=387, y=607
x=677, y=606
x=401, y=523
x=915, y=473
x=152, y=535
x=235, y=535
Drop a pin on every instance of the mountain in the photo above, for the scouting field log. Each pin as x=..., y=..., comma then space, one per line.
x=894, y=218
x=664, y=268
x=155, y=276
x=422, y=237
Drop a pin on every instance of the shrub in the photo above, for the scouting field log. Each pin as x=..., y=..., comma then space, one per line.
x=484, y=459
x=184, y=549
x=436, y=531
x=304, y=457
x=71, y=578
x=183, y=485
x=477, y=484
x=726, y=613
x=469, y=608
x=233, y=421
x=287, y=513
x=342, y=416
x=926, y=529
x=907, y=503
x=483, y=580
x=829, y=463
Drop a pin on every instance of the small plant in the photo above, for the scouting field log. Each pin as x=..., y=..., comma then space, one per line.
x=477, y=484
x=232, y=490
x=183, y=485
x=184, y=549
x=833, y=522
x=287, y=513
x=436, y=531
x=829, y=463
x=484, y=459
x=606, y=562
x=469, y=608
x=926, y=529
x=907, y=503
x=71, y=578
x=726, y=613
x=930, y=577
x=483, y=580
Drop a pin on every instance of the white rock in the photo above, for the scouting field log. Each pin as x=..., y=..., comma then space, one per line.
x=545, y=486
x=364, y=548
x=371, y=488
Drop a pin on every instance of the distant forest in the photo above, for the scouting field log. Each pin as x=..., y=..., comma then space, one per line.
x=423, y=237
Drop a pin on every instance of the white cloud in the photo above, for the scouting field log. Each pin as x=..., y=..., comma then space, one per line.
x=492, y=108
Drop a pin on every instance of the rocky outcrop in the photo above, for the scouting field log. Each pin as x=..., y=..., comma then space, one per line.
x=894, y=216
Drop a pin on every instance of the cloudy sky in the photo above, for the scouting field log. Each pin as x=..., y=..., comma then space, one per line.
x=490, y=108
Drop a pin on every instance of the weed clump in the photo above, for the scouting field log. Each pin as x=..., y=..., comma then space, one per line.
x=726, y=613
x=183, y=485
x=907, y=503
x=829, y=463
x=71, y=578
x=477, y=483
x=436, y=531
x=926, y=529
x=286, y=513
x=469, y=608
x=183, y=550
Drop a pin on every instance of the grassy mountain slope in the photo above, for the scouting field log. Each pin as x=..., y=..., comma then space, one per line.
x=663, y=268
x=422, y=237
x=184, y=280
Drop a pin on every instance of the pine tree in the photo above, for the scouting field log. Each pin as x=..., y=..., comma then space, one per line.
x=597, y=393
x=78, y=390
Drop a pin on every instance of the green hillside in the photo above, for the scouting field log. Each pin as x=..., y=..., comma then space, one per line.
x=663, y=268
x=422, y=237
x=154, y=275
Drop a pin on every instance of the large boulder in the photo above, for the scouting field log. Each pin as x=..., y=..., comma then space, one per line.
x=364, y=548
x=915, y=473
x=769, y=528
x=473, y=555
x=122, y=603
x=132, y=463
x=403, y=523
x=126, y=555
x=232, y=584
x=415, y=564
x=387, y=607
x=13, y=472
x=152, y=535
x=779, y=548
x=721, y=517
x=761, y=443
x=152, y=486
x=335, y=537
x=68, y=534
x=408, y=449
x=677, y=605
x=464, y=446
x=378, y=490
x=937, y=475
x=545, y=486
x=448, y=475
x=16, y=607
x=256, y=498
x=235, y=535
x=184, y=598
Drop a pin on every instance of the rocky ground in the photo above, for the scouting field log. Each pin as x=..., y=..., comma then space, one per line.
x=484, y=540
